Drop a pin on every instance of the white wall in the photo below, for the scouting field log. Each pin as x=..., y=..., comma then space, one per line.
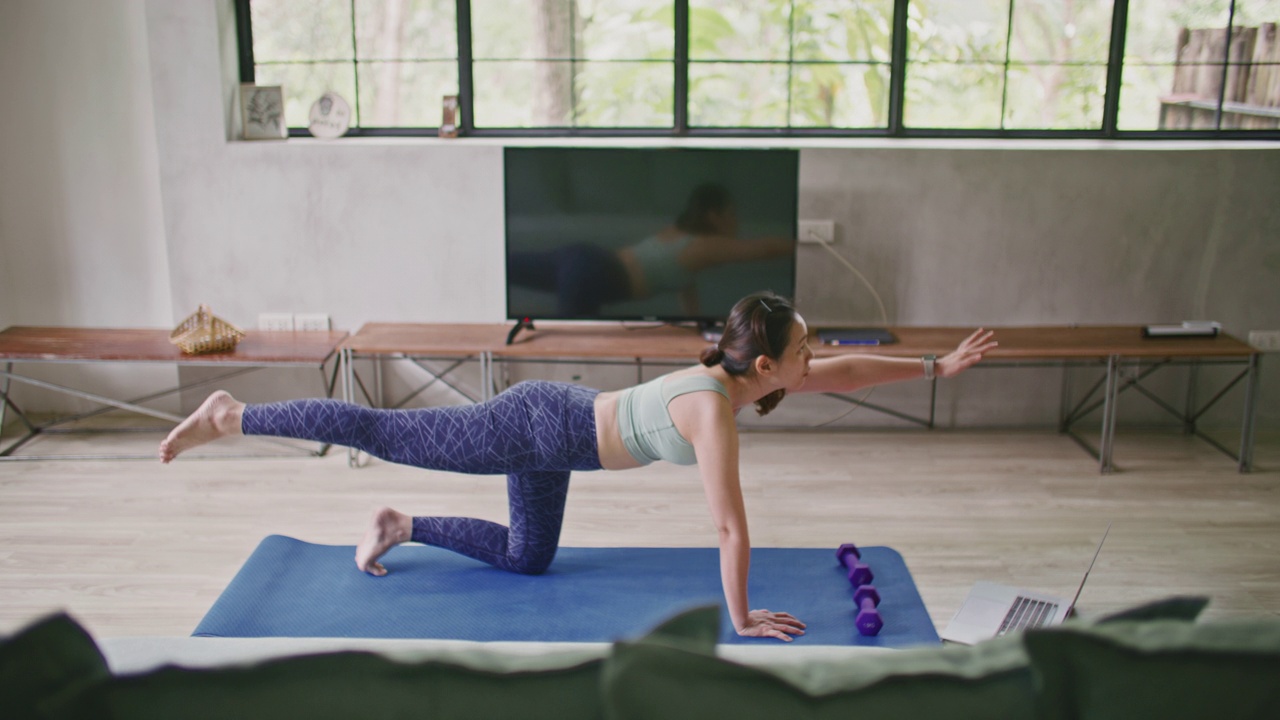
x=411, y=230
x=81, y=234
x=360, y=230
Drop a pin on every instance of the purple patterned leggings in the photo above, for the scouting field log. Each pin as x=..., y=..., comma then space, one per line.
x=536, y=432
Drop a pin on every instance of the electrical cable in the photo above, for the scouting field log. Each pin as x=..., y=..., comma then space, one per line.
x=884, y=320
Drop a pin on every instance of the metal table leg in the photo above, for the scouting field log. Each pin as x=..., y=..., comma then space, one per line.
x=486, y=375
x=1193, y=379
x=1109, y=415
x=349, y=393
x=4, y=396
x=1065, y=400
x=933, y=402
x=1250, y=409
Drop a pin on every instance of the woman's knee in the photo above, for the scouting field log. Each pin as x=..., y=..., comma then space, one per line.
x=533, y=563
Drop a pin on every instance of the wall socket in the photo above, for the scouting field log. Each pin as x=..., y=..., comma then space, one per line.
x=275, y=322
x=816, y=231
x=1265, y=340
x=311, y=322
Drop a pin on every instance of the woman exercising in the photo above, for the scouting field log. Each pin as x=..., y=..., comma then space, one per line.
x=538, y=432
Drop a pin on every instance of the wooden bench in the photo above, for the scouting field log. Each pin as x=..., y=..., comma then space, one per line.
x=72, y=345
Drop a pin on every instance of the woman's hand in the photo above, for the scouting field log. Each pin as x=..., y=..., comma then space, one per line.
x=969, y=352
x=763, y=623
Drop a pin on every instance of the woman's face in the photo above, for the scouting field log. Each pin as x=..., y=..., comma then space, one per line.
x=793, y=364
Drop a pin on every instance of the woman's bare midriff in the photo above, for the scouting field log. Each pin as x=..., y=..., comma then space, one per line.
x=613, y=454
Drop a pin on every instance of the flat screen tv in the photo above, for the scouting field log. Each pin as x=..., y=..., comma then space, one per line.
x=668, y=234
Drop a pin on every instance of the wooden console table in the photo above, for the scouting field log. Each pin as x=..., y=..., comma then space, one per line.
x=72, y=345
x=1109, y=349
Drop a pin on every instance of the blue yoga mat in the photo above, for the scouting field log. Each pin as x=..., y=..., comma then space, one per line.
x=290, y=588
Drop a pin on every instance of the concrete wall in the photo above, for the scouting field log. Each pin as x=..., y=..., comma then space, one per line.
x=411, y=229
x=1130, y=235
x=81, y=236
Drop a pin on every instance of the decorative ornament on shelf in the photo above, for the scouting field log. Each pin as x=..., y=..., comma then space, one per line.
x=330, y=116
x=204, y=332
x=262, y=112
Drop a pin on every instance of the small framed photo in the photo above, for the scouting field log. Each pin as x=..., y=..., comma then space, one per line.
x=449, y=126
x=262, y=112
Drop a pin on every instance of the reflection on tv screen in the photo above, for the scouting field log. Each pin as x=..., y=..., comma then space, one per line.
x=671, y=234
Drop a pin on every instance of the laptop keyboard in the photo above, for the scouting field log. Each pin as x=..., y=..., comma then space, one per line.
x=1027, y=613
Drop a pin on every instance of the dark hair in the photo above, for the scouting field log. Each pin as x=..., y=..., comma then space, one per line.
x=759, y=324
x=705, y=199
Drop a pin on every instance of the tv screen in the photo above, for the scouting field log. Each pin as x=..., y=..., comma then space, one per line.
x=647, y=233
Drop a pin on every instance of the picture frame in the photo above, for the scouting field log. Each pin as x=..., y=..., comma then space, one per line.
x=262, y=112
x=449, y=124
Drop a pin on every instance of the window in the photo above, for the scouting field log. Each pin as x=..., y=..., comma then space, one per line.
x=789, y=63
x=386, y=57
x=1007, y=64
x=1201, y=66
x=898, y=68
x=573, y=63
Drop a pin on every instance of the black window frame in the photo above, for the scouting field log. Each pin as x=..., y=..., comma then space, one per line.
x=897, y=89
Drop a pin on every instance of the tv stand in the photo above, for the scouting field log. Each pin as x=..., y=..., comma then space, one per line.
x=710, y=330
x=520, y=324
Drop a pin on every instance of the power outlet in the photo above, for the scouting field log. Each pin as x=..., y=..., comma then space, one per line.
x=816, y=231
x=1265, y=340
x=311, y=322
x=275, y=322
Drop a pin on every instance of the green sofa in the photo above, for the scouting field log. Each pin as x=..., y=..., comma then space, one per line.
x=1151, y=662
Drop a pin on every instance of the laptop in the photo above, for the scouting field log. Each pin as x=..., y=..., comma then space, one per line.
x=991, y=610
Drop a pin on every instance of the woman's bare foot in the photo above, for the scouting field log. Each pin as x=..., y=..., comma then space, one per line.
x=217, y=417
x=389, y=528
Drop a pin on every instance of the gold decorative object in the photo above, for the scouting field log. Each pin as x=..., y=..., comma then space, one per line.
x=204, y=332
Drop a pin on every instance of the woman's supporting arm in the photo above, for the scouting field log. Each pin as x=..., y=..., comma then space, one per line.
x=706, y=419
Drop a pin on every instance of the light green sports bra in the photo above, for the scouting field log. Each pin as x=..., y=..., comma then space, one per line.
x=645, y=423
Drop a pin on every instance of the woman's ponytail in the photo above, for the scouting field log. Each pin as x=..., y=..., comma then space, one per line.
x=712, y=356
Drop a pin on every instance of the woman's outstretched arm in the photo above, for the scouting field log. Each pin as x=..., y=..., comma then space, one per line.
x=852, y=372
x=707, y=421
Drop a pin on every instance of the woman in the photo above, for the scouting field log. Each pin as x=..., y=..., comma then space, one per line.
x=585, y=276
x=538, y=432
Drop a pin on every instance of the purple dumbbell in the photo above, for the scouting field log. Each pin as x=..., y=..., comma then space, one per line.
x=868, y=621
x=859, y=572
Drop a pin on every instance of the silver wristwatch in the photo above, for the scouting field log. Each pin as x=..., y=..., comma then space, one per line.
x=929, y=361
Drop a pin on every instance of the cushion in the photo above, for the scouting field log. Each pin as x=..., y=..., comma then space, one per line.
x=471, y=684
x=348, y=685
x=1186, y=608
x=1162, y=668
x=46, y=665
x=665, y=676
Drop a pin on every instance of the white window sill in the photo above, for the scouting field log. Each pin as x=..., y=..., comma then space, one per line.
x=781, y=142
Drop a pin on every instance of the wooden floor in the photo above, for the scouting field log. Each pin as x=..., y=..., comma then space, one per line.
x=138, y=548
